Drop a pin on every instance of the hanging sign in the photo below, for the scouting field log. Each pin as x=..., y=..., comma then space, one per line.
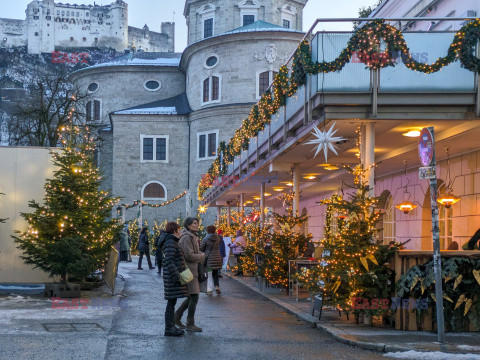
x=427, y=172
x=425, y=147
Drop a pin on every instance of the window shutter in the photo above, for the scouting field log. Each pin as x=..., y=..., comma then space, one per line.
x=206, y=90
x=202, y=146
x=215, y=88
x=212, y=144
x=89, y=111
x=96, y=110
x=161, y=153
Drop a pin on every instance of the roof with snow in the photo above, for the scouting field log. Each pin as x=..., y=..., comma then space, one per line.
x=260, y=25
x=177, y=105
x=141, y=58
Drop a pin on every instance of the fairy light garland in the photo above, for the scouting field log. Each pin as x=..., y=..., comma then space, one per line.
x=366, y=42
x=144, y=203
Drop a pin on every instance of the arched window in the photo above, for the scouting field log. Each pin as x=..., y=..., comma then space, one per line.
x=264, y=79
x=211, y=90
x=154, y=190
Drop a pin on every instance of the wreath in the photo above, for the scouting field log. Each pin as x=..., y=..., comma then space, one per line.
x=467, y=50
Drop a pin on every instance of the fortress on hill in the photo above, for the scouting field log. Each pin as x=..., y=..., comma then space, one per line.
x=50, y=26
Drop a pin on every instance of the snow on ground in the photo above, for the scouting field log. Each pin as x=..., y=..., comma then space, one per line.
x=468, y=347
x=8, y=317
x=434, y=355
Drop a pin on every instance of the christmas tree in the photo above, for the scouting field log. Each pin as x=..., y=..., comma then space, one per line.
x=286, y=242
x=71, y=233
x=355, y=266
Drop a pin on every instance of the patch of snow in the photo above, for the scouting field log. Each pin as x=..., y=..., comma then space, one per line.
x=158, y=110
x=12, y=316
x=433, y=355
x=468, y=347
x=19, y=287
x=140, y=62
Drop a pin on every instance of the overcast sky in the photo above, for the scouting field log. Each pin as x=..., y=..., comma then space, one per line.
x=154, y=12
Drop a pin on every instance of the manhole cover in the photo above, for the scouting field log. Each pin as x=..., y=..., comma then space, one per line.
x=71, y=327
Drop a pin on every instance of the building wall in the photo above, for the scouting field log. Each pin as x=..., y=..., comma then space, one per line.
x=122, y=87
x=23, y=175
x=13, y=33
x=49, y=26
x=241, y=57
x=130, y=175
x=429, y=8
x=227, y=14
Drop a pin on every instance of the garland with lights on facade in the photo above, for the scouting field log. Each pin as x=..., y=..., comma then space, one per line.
x=144, y=203
x=366, y=42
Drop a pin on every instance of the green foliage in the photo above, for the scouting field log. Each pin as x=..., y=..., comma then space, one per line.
x=70, y=234
x=461, y=286
x=286, y=242
x=357, y=265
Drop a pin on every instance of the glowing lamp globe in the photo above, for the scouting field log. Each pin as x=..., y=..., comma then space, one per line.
x=406, y=207
x=448, y=200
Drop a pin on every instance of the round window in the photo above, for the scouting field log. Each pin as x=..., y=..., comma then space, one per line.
x=152, y=85
x=93, y=87
x=212, y=61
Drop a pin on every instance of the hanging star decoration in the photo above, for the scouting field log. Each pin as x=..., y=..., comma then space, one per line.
x=325, y=140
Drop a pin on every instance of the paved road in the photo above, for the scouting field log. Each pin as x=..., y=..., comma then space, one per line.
x=239, y=324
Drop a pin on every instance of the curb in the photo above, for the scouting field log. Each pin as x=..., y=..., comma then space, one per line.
x=378, y=347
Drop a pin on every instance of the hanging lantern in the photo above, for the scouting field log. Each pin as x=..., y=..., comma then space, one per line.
x=448, y=200
x=406, y=206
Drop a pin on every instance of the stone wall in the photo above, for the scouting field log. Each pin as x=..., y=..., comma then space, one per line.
x=13, y=33
x=241, y=57
x=149, y=41
x=130, y=175
x=228, y=14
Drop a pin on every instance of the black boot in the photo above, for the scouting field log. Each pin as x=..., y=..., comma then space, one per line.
x=173, y=331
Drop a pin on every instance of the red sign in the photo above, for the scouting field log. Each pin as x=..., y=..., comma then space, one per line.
x=59, y=57
x=425, y=147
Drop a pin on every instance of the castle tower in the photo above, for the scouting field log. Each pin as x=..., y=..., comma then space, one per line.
x=219, y=16
x=40, y=26
x=119, y=24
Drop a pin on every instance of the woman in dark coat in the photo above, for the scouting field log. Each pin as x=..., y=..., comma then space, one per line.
x=191, y=250
x=211, y=247
x=144, y=248
x=173, y=265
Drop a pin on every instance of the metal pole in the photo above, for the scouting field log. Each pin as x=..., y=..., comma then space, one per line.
x=370, y=156
x=262, y=204
x=242, y=203
x=437, y=260
x=296, y=189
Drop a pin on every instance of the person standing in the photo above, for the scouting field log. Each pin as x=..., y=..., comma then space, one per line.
x=124, y=246
x=129, y=246
x=158, y=249
x=144, y=249
x=238, y=249
x=211, y=247
x=191, y=250
x=173, y=265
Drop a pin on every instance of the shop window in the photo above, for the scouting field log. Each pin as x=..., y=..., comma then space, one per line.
x=445, y=224
x=389, y=225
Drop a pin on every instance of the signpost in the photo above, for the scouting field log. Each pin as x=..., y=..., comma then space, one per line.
x=426, y=152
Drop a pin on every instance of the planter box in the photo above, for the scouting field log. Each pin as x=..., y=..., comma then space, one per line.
x=71, y=290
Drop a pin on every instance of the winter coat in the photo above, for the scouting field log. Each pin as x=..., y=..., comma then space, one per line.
x=124, y=245
x=173, y=265
x=238, y=246
x=211, y=247
x=143, y=244
x=191, y=251
x=159, y=243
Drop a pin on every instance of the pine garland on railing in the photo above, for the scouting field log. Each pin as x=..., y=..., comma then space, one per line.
x=367, y=41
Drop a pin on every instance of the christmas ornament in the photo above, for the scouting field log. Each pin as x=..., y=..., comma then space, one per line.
x=325, y=141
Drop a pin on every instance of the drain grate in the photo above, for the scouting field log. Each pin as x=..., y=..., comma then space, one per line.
x=72, y=327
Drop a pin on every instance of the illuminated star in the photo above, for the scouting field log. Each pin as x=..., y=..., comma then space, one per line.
x=325, y=140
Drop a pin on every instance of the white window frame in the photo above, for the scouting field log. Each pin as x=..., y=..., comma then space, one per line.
x=154, y=182
x=289, y=13
x=210, y=79
x=155, y=137
x=216, y=131
x=390, y=232
x=270, y=77
x=152, y=90
x=207, y=12
x=211, y=67
x=248, y=10
x=92, y=114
